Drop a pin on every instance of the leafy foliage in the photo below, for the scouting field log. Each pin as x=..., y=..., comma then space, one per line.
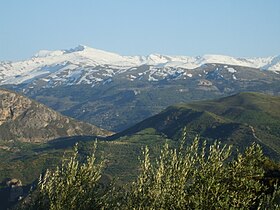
x=193, y=176
x=73, y=185
x=199, y=177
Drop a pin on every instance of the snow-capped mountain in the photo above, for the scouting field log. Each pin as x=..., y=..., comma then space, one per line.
x=85, y=65
x=115, y=92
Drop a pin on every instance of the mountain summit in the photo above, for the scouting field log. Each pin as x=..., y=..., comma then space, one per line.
x=188, y=62
x=50, y=63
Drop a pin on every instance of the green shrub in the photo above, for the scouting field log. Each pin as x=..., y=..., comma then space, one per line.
x=200, y=177
x=197, y=176
x=73, y=185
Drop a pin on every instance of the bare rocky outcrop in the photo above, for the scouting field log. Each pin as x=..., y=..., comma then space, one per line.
x=15, y=189
x=25, y=120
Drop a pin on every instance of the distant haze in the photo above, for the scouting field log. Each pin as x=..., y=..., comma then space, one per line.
x=180, y=27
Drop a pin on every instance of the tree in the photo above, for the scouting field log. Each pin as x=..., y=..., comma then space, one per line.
x=196, y=176
x=73, y=185
x=201, y=177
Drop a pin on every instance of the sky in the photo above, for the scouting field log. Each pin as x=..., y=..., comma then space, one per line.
x=240, y=28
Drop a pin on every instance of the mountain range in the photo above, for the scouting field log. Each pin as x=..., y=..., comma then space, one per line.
x=81, y=65
x=120, y=91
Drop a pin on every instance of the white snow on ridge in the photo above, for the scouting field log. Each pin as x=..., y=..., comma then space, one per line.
x=263, y=63
x=231, y=70
x=50, y=63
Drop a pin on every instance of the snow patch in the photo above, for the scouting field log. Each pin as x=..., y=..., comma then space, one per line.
x=231, y=70
x=152, y=79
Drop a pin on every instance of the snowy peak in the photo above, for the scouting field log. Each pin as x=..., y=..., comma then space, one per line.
x=221, y=59
x=272, y=64
x=99, y=57
x=87, y=55
x=87, y=64
x=269, y=63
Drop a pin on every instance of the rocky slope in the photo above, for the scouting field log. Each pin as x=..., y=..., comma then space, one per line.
x=22, y=119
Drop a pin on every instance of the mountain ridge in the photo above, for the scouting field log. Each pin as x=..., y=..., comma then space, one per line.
x=240, y=119
x=22, y=119
x=47, y=62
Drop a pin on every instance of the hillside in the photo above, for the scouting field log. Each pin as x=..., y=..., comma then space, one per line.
x=239, y=120
x=22, y=119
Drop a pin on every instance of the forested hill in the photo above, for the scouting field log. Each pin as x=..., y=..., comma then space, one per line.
x=239, y=120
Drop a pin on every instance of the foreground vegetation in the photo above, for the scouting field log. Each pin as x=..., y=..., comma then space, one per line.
x=192, y=176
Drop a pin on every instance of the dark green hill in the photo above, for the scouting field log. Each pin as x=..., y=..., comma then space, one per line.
x=239, y=120
x=244, y=107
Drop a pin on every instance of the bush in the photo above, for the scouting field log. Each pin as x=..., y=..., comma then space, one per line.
x=197, y=176
x=73, y=185
x=203, y=177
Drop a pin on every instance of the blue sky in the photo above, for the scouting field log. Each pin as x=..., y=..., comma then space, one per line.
x=242, y=28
